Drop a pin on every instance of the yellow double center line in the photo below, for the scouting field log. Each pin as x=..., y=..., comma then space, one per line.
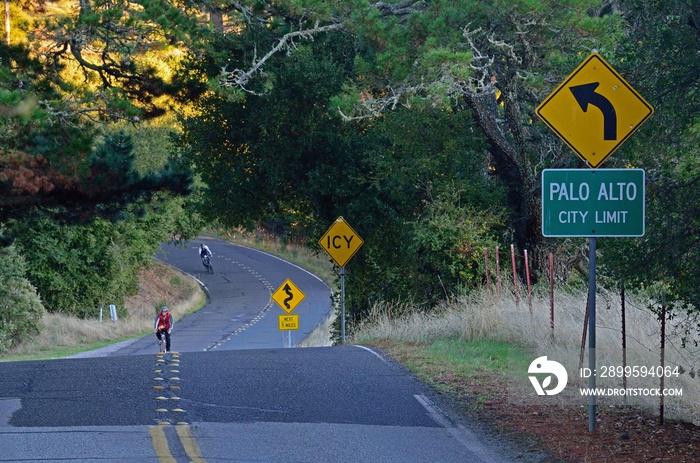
x=162, y=449
x=158, y=438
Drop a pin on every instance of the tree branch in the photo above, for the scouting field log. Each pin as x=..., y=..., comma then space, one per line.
x=239, y=78
x=401, y=8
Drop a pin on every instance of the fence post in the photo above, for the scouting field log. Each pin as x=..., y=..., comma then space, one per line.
x=551, y=293
x=486, y=266
x=515, y=276
x=527, y=278
x=624, y=339
x=498, y=274
x=113, y=312
x=663, y=360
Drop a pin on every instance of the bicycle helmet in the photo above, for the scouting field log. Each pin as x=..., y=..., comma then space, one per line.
x=164, y=309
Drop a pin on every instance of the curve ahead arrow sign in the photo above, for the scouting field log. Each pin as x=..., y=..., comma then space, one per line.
x=594, y=134
x=585, y=94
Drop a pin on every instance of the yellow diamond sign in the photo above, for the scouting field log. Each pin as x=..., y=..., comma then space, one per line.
x=594, y=110
x=288, y=296
x=341, y=242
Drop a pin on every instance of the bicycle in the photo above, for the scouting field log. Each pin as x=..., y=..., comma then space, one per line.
x=162, y=341
x=206, y=261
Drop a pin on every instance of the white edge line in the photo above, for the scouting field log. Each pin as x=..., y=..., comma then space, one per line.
x=463, y=435
x=433, y=411
x=373, y=352
x=293, y=265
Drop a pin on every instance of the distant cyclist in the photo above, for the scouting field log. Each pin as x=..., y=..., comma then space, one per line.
x=204, y=251
x=205, y=254
x=164, y=326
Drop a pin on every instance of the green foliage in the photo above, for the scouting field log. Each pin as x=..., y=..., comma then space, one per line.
x=423, y=204
x=656, y=58
x=94, y=262
x=79, y=268
x=112, y=162
x=404, y=180
x=74, y=268
x=271, y=153
x=424, y=179
x=498, y=60
x=20, y=306
x=49, y=164
x=449, y=240
x=85, y=213
x=114, y=56
x=153, y=140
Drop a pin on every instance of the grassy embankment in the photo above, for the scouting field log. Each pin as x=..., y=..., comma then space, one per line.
x=451, y=348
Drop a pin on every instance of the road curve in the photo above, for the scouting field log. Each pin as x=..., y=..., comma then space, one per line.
x=240, y=313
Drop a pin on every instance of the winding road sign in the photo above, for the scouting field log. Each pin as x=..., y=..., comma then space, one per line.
x=594, y=110
x=288, y=296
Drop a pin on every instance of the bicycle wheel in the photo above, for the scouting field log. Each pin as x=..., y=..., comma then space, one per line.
x=161, y=343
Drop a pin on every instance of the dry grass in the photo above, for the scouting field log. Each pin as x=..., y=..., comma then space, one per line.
x=453, y=350
x=321, y=336
x=483, y=316
x=63, y=335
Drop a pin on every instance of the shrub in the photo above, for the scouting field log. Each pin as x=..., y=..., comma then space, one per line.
x=21, y=309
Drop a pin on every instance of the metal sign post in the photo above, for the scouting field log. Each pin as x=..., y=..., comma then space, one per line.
x=591, y=330
x=342, y=305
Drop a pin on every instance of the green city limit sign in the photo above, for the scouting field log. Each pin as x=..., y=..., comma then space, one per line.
x=593, y=203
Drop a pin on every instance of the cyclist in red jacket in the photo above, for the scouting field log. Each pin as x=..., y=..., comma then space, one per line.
x=164, y=326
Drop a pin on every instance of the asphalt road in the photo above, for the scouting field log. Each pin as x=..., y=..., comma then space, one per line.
x=333, y=404
x=214, y=402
